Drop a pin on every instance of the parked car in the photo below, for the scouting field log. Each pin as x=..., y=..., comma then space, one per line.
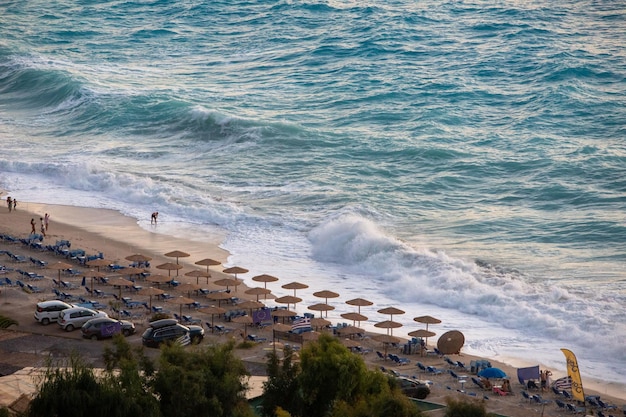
x=169, y=330
x=75, y=317
x=104, y=327
x=413, y=388
x=48, y=311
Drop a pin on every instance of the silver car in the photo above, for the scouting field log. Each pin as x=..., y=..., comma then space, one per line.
x=74, y=318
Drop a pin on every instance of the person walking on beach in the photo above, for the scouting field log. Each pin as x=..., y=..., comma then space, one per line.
x=32, y=226
x=43, y=227
x=46, y=220
x=153, y=219
x=14, y=204
x=9, y=203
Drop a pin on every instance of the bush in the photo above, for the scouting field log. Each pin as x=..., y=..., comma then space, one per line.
x=6, y=322
x=420, y=392
x=465, y=409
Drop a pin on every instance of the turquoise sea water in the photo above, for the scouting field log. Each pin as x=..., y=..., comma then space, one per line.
x=463, y=159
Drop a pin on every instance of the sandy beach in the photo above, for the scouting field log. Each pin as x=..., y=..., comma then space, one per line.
x=117, y=236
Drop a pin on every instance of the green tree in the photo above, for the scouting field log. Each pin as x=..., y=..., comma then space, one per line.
x=329, y=373
x=202, y=382
x=334, y=382
x=281, y=387
x=74, y=390
x=131, y=371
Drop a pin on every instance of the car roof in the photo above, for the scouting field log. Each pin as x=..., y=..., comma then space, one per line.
x=73, y=309
x=163, y=323
x=53, y=302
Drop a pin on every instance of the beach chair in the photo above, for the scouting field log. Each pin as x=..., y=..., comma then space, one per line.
x=560, y=404
x=191, y=320
x=33, y=288
x=539, y=400
x=434, y=371
x=525, y=394
x=449, y=361
x=421, y=367
x=255, y=338
x=574, y=409
x=380, y=355
x=605, y=405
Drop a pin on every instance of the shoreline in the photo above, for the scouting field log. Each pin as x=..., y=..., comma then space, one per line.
x=117, y=236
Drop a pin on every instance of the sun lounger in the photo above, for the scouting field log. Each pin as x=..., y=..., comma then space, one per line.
x=255, y=338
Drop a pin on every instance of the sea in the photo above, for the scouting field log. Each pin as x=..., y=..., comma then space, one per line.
x=459, y=159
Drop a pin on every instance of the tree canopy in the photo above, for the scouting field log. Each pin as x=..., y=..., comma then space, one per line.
x=199, y=382
x=331, y=381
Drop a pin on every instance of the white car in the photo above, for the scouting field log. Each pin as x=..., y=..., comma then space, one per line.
x=74, y=318
x=48, y=311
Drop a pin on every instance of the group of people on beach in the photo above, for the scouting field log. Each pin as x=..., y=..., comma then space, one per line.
x=44, y=225
x=11, y=203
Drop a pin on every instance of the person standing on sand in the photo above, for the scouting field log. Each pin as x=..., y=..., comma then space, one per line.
x=46, y=220
x=153, y=219
x=43, y=227
x=32, y=226
x=14, y=204
x=9, y=203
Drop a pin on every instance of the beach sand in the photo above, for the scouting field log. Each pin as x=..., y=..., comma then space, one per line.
x=117, y=236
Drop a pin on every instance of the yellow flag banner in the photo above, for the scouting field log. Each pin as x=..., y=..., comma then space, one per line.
x=574, y=373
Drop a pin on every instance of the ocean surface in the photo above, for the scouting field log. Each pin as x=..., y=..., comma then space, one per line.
x=460, y=159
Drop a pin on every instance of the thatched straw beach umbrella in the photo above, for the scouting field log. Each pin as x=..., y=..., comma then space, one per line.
x=59, y=266
x=318, y=322
x=258, y=291
x=349, y=331
x=158, y=279
x=359, y=302
x=170, y=266
x=212, y=310
x=229, y=282
x=391, y=311
x=235, y=270
x=245, y=320
x=326, y=294
x=219, y=296
x=180, y=301
x=250, y=305
x=177, y=254
x=389, y=325
x=321, y=307
x=138, y=258
x=94, y=275
x=197, y=274
x=295, y=286
x=386, y=340
x=97, y=263
x=120, y=282
x=264, y=278
x=150, y=291
x=284, y=313
x=354, y=317
x=188, y=287
x=288, y=299
x=208, y=262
